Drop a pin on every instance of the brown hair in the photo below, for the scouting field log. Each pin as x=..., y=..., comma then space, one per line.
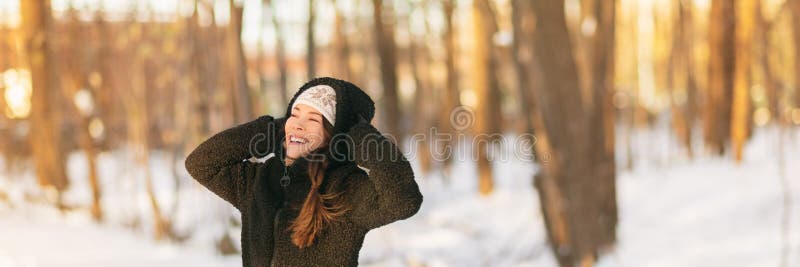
x=318, y=209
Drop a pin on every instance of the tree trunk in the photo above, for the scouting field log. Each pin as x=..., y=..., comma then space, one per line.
x=687, y=30
x=450, y=98
x=386, y=46
x=138, y=128
x=201, y=78
x=692, y=90
x=771, y=84
x=576, y=191
x=521, y=56
x=280, y=54
x=420, y=63
x=310, y=51
x=341, y=45
x=45, y=137
x=740, y=114
x=795, y=6
x=77, y=81
x=241, y=92
x=601, y=119
x=484, y=80
x=678, y=73
x=717, y=114
x=261, y=58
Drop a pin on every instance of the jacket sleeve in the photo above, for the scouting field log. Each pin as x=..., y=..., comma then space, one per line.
x=389, y=193
x=220, y=163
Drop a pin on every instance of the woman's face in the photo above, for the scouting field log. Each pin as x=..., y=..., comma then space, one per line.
x=305, y=131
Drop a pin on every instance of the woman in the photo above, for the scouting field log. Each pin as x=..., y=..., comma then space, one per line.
x=333, y=178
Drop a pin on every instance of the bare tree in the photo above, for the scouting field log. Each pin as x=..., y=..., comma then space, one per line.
x=524, y=68
x=577, y=192
x=340, y=44
x=76, y=81
x=771, y=82
x=203, y=81
x=795, y=7
x=488, y=119
x=601, y=118
x=741, y=106
x=45, y=137
x=386, y=47
x=681, y=75
x=138, y=124
x=310, y=43
x=717, y=113
x=420, y=63
x=241, y=90
x=450, y=98
x=280, y=53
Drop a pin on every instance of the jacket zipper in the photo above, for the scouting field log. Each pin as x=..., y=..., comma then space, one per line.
x=285, y=180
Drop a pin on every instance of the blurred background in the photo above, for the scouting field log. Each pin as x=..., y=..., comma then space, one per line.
x=542, y=133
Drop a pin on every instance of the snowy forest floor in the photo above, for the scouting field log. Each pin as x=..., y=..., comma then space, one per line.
x=673, y=212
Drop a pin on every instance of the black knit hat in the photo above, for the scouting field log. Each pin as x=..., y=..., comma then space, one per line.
x=351, y=102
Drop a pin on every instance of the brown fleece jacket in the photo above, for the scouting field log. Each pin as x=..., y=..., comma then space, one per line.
x=385, y=193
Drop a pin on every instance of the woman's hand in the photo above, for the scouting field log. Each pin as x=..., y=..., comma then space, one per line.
x=269, y=139
x=220, y=164
x=388, y=191
x=364, y=137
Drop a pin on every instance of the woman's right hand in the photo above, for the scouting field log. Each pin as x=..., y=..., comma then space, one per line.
x=269, y=140
x=220, y=163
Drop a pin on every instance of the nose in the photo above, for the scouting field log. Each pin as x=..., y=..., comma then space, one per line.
x=297, y=126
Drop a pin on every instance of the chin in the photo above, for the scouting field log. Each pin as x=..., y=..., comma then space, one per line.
x=296, y=154
x=293, y=154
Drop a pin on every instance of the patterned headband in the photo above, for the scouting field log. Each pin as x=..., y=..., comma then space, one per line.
x=322, y=98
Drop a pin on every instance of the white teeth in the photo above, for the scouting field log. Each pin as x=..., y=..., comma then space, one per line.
x=297, y=139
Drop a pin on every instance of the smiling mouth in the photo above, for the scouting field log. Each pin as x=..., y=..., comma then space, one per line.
x=297, y=140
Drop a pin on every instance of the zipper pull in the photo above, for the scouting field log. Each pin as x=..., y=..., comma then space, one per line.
x=285, y=180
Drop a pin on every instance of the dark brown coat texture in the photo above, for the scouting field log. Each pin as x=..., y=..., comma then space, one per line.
x=385, y=193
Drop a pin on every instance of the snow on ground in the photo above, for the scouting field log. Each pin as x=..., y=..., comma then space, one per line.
x=673, y=212
x=712, y=212
x=456, y=227
x=39, y=237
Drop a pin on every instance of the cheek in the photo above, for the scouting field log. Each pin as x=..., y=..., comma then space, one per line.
x=289, y=123
x=318, y=136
